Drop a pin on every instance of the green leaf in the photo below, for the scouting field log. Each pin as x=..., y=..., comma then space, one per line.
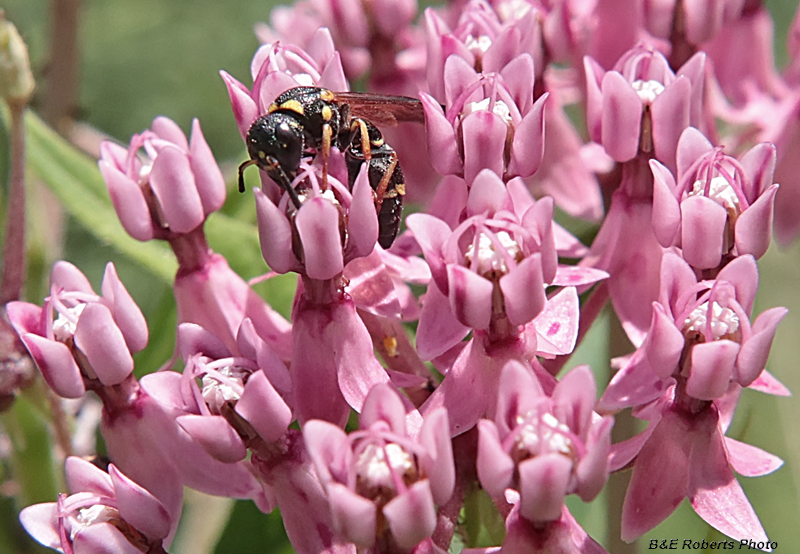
x=77, y=183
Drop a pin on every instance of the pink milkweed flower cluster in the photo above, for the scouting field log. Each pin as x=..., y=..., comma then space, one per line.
x=501, y=293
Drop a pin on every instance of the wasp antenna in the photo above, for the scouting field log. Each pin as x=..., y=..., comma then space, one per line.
x=242, y=167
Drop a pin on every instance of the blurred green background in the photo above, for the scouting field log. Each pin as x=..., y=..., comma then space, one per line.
x=144, y=58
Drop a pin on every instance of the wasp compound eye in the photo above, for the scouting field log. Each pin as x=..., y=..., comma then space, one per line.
x=276, y=138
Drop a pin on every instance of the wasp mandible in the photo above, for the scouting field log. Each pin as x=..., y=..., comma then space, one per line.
x=305, y=121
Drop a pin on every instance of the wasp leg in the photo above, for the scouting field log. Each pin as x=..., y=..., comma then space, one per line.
x=327, y=136
x=277, y=174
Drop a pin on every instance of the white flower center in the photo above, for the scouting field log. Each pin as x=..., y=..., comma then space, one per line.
x=489, y=259
x=544, y=435
x=513, y=9
x=303, y=79
x=64, y=327
x=88, y=516
x=478, y=46
x=376, y=464
x=724, y=321
x=647, y=90
x=720, y=190
x=217, y=393
x=500, y=108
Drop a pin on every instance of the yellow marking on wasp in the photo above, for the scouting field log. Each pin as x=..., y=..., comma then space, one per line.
x=272, y=107
x=327, y=137
x=378, y=142
x=400, y=188
x=390, y=344
x=326, y=95
x=380, y=190
x=293, y=105
x=262, y=154
x=327, y=113
x=365, y=146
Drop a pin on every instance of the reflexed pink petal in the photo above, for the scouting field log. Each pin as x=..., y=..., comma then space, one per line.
x=208, y=177
x=484, y=140
x=623, y=453
x=543, y=484
x=712, y=369
x=621, y=117
x=664, y=343
x=438, y=328
x=216, y=436
x=138, y=507
x=173, y=183
x=362, y=223
x=527, y=149
x=411, y=515
x=754, y=225
x=127, y=315
x=557, y=324
x=431, y=234
x=594, y=98
x=768, y=384
x=523, y=290
x=654, y=492
x=57, y=365
x=575, y=276
x=317, y=225
x=26, y=318
x=666, y=210
x=470, y=297
x=759, y=167
x=329, y=449
x=383, y=404
x=670, y=112
x=749, y=460
x=441, y=138
x=715, y=494
x=275, y=235
x=754, y=352
x=702, y=231
x=354, y=517
x=41, y=523
x=102, y=538
x=129, y=202
x=495, y=467
x=263, y=408
x=99, y=338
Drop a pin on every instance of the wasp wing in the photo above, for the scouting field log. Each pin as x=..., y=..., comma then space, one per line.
x=382, y=109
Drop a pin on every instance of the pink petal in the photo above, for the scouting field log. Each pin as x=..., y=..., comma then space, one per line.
x=666, y=210
x=768, y=384
x=138, y=507
x=592, y=470
x=275, y=235
x=441, y=138
x=523, y=290
x=749, y=460
x=527, y=149
x=102, y=538
x=173, y=184
x=487, y=195
x=702, y=231
x=383, y=404
x=742, y=273
x=244, y=107
x=712, y=369
x=495, y=467
x=754, y=226
x=41, y=523
x=664, y=343
x=484, y=138
x=210, y=183
x=354, y=517
x=129, y=202
x=263, y=408
x=754, y=352
x=557, y=324
x=127, y=314
x=621, y=117
x=670, y=112
x=438, y=465
x=99, y=338
x=66, y=276
x=543, y=483
x=57, y=365
x=574, y=399
x=329, y=449
x=759, y=167
x=317, y=224
x=168, y=130
x=438, y=328
x=411, y=515
x=84, y=476
x=362, y=222
x=216, y=436
x=692, y=145
x=470, y=297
